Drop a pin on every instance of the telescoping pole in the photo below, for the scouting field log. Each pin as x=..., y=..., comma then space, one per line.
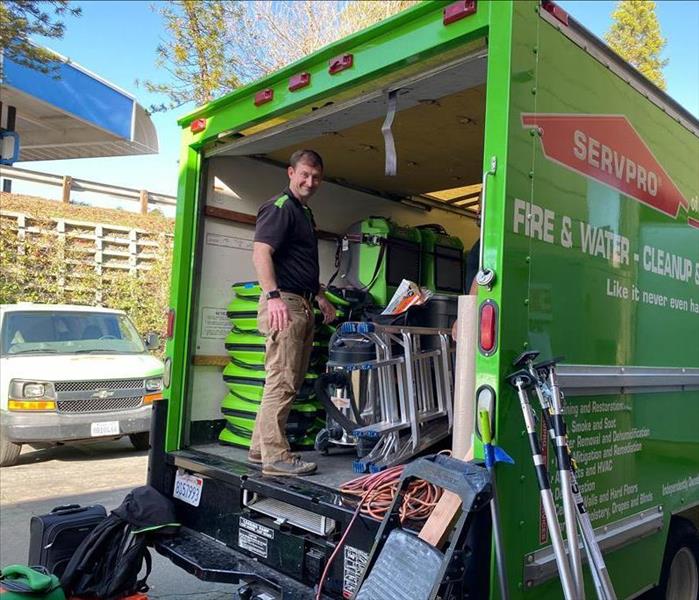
x=598, y=568
x=555, y=425
x=521, y=381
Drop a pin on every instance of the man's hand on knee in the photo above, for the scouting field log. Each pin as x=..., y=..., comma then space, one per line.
x=278, y=314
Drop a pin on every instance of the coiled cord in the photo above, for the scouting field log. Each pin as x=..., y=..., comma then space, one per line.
x=378, y=490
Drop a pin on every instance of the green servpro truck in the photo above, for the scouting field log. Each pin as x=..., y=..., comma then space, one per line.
x=590, y=250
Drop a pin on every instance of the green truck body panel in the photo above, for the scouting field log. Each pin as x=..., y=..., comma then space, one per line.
x=595, y=302
x=592, y=260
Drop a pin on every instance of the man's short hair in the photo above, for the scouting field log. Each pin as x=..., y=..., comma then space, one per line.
x=310, y=157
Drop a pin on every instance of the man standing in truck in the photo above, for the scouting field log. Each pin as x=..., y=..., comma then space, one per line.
x=285, y=255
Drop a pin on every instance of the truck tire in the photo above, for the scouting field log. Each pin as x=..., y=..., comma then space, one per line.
x=679, y=578
x=9, y=453
x=140, y=441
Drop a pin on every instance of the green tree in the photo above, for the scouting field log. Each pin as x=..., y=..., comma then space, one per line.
x=635, y=36
x=21, y=19
x=197, y=53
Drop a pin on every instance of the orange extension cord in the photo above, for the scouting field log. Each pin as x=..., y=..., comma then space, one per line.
x=376, y=492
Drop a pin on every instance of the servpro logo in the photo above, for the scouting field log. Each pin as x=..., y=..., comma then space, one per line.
x=604, y=158
x=608, y=149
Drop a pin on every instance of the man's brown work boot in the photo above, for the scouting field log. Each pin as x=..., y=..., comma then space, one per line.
x=292, y=465
x=256, y=459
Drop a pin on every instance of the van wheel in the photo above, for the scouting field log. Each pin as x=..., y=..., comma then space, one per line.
x=9, y=453
x=679, y=578
x=140, y=441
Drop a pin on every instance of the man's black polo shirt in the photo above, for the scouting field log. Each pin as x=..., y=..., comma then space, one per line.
x=288, y=226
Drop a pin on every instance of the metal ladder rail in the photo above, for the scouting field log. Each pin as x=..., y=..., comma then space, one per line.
x=413, y=388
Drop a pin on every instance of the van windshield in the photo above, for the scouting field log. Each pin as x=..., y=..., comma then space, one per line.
x=65, y=332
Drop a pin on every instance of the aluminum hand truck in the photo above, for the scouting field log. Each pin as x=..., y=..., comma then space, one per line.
x=401, y=566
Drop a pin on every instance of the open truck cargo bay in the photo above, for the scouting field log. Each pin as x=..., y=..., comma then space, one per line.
x=590, y=229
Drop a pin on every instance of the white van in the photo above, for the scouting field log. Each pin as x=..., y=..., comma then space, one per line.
x=71, y=372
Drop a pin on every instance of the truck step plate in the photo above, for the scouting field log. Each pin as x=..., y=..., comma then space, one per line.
x=209, y=560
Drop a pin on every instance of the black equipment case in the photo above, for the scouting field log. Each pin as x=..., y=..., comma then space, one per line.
x=53, y=538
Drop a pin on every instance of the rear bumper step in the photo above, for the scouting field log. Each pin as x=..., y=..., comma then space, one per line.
x=210, y=560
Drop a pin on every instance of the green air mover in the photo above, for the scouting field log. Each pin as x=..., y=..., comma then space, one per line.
x=251, y=389
x=231, y=438
x=240, y=422
x=234, y=372
x=235, y=406
x=336, y=300
x=243, y=314
x=247, y=289
x=442, y=260
x=242, y=305
x=249, y=347
x=247, y=355
x=242, y=426
x=376, y=255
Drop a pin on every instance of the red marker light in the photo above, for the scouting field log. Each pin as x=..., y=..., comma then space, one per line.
x=340, y=63
x=197, y=125
x=553, y=8
x=487, y=337
x=170, y=323
x=458, y=10
x=298, y=81
x=264, y=96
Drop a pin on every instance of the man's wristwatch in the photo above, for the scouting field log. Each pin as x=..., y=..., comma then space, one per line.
x=273, y=294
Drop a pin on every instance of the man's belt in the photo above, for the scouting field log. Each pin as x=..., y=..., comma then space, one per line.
x=307, y=294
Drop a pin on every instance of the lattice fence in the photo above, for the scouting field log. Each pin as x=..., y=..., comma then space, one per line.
x=84, y=248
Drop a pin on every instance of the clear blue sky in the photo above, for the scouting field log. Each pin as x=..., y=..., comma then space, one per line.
x=117, y=40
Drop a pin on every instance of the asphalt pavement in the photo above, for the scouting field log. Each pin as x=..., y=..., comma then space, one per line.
x=96, y=473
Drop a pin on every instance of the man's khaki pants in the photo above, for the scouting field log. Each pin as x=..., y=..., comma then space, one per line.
x=286, y=361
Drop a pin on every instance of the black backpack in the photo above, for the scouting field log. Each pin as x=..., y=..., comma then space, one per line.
x=107, y=563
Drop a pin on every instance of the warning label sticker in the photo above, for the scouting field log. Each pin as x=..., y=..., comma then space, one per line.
x=355, y=561
x=252, y=542
x=267, y=532
x=214, y=323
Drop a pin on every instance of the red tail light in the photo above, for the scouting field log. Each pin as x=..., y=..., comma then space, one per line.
x=170, y=323
x=488, y=333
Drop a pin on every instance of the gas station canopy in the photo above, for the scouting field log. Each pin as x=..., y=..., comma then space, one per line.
x=73, y=113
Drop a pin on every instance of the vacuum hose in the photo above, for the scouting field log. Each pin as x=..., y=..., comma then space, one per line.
x=338, y=379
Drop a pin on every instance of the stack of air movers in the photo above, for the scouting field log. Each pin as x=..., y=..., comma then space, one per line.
x=245, y=374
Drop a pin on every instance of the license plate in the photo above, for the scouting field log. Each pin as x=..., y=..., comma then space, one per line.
x=104, y=428
x=188, y=488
